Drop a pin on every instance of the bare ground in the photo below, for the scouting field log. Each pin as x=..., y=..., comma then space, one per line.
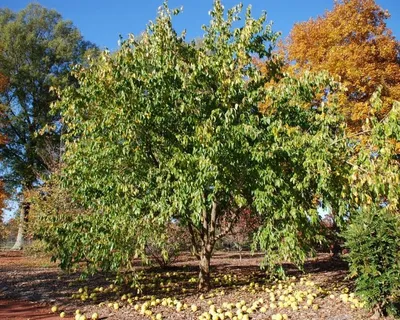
x=30, y=286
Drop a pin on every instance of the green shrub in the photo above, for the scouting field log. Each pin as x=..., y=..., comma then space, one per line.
x=374, y=242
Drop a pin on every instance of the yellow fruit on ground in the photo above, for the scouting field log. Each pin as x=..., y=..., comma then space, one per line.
x=62, y=314
x=116, y=306
x=54, y=309
x=158, y=316
x=193, y=307
x=277, y=316
x=95, y=316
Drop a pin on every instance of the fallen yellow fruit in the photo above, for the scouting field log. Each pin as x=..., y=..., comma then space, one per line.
x=277, y=316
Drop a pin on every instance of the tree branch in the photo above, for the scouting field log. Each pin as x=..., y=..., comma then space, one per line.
x=213, y=221
x=193, y=240
x=353, y=165
x=230, y=225
x=352, y=135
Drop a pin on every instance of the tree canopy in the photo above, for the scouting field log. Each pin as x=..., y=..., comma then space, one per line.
x=353, y=43
x=164, y=130
x=37, y=49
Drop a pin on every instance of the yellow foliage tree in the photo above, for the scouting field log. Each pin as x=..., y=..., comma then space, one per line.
x=353, y=43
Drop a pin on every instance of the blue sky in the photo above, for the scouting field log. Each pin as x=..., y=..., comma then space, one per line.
x=102, y=21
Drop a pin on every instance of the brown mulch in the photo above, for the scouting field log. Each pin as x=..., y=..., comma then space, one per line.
x=30, y=286
x=22, y=310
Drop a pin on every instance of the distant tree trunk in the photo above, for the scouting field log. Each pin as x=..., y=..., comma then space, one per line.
x=29, y=179
x=335, y=246
x=23, y=219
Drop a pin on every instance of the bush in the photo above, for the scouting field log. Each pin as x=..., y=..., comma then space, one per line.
x=374, y=242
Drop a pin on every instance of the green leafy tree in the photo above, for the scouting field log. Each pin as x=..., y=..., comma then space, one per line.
x=165, y=130
x=38, y=47
x=373, y=235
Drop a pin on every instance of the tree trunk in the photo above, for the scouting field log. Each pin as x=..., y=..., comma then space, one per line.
x=19, y=243
x=23, y=219
x=203, y=238
x=204, y=264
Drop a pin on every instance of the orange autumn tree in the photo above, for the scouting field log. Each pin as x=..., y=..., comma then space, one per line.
x=353, y=43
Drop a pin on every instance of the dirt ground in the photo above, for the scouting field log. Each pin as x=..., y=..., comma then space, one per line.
x=30, y=286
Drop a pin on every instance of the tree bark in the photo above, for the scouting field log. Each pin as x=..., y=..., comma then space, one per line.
x=19, y=243
x=23, y=219
x=204, y=274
